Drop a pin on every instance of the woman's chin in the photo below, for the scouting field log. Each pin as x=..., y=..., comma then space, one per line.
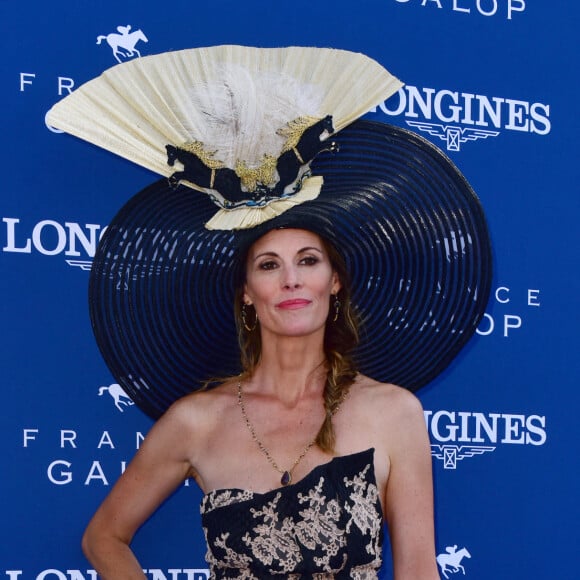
x=299, y=330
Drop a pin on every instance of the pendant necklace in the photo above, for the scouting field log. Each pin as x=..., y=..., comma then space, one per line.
x=286, y=478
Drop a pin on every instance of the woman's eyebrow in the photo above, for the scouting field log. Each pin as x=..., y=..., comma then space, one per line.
x=275, y=255
x=266, y=253
x=309, y=249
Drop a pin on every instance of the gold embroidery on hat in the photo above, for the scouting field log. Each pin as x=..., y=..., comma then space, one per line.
x=197, y=148
x=264, y=174
x=293, y=131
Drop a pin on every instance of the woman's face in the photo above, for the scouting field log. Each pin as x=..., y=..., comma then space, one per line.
x=289, y=280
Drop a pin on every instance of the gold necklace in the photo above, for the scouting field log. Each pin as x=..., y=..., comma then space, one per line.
x=286, y=478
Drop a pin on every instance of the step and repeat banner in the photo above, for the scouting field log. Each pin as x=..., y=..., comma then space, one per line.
x=493, y=83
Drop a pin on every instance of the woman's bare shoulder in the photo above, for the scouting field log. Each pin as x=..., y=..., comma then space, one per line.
x=390, y=417
x=372, y=392
x=386, y=400
x=200, y=409
x=186, y=429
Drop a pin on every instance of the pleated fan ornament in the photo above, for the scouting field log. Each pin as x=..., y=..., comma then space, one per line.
x=247, y=140
x=243, y=122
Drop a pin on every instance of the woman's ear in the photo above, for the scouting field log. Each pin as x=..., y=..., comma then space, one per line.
x=245, y=297
x=336, y=285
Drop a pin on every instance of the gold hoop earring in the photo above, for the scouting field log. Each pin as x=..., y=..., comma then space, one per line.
x=336, y=307
x=244, y=315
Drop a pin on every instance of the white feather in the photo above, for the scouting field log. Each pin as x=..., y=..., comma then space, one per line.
x=243, y=112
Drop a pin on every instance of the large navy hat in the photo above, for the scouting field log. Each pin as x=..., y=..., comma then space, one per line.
x=409, y=226
x=249, y=140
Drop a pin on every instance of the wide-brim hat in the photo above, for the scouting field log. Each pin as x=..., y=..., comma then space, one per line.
x=410, y=228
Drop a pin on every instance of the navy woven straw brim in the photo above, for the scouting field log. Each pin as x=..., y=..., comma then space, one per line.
x=411, y=230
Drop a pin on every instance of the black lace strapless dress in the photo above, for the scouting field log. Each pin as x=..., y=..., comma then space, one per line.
x=328, y=525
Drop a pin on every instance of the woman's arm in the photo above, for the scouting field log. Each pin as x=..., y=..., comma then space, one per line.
x=160, y=465
x=409, y=492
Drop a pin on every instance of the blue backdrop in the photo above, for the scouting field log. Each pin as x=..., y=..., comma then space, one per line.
x=492, y=82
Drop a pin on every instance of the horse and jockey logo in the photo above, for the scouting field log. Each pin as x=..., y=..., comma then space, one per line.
x=450, y=561
x=123, y=42
x=119, y=396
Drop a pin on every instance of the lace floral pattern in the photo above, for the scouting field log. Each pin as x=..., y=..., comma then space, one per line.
x=328, y=525
x=223, y=498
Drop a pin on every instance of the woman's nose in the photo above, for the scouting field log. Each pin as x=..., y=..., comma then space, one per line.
x=291, y=278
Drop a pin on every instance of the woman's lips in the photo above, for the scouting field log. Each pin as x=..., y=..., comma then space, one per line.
x=293, y=304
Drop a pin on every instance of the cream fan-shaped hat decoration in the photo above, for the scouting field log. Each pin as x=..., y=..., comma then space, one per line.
x=240, y=124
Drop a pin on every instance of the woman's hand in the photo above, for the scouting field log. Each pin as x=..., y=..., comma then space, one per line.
x=158, y=468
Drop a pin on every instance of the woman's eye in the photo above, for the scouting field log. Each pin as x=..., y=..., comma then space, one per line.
x=309, y=260
x=268, y=265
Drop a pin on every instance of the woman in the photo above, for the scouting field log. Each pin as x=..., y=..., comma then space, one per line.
x=290, y=282
x=302, y=454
